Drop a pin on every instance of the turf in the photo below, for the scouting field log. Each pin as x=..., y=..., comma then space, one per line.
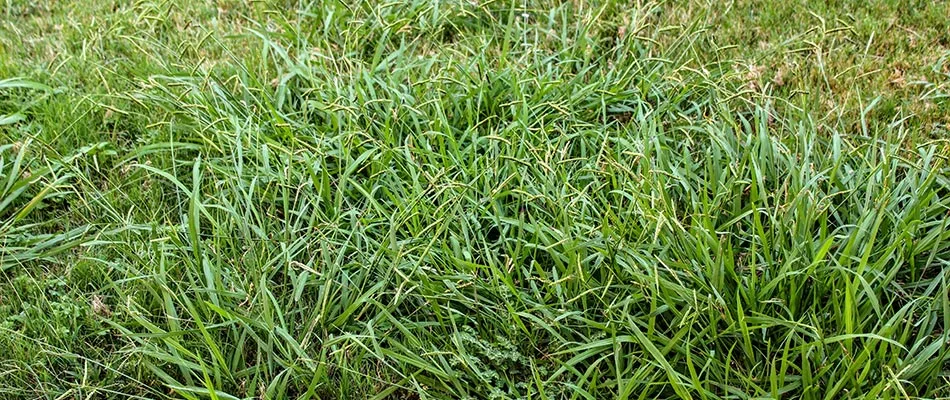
x=474, y=199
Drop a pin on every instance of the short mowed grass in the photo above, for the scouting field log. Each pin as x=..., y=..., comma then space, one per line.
x=441, y=199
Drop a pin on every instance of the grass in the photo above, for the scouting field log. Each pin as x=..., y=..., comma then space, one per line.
x=474, y=199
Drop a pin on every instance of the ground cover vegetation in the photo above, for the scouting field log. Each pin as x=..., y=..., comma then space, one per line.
x=434, y=199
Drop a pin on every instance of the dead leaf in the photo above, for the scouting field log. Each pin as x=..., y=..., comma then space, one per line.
x=99, y=306
x=897, y=78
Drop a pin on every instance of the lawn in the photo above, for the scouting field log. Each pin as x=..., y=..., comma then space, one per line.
x=475, y=199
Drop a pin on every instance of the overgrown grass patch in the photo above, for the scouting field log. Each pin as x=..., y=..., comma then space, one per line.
x=463, y=199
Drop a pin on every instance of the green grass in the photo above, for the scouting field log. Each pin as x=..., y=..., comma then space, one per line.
x=474, y=199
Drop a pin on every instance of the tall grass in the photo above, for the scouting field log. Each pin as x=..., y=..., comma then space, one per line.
x=503, y=200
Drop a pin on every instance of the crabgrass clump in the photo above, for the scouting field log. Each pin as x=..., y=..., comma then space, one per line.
x=457, y=200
